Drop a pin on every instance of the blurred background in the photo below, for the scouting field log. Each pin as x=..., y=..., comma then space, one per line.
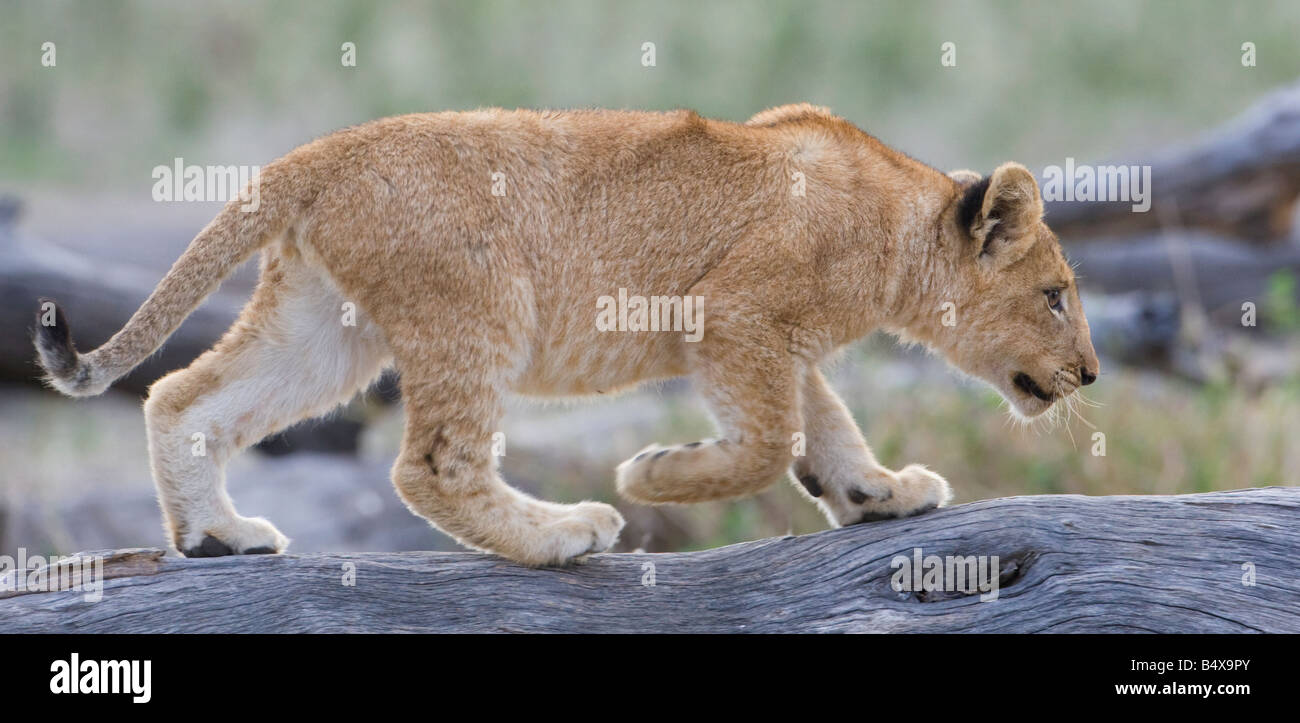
x=1191, y=398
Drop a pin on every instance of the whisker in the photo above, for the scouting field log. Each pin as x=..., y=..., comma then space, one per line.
x=1075, y=397
x=1086, y=401
x=1069, y=412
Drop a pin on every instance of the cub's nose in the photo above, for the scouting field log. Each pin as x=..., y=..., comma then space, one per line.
x=1086, y=376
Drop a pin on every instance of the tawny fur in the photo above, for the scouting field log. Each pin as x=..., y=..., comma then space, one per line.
x=474, y=295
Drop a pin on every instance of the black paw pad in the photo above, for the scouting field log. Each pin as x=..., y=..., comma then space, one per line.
x=857, y=496
x=210, y=547
x=263, y=550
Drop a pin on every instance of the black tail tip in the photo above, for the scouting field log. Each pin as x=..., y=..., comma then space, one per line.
x=54, y=339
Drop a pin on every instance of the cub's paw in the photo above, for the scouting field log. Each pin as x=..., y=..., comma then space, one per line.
x=243, y=536
x=632, y=477
x=920, y=490
x=911, y=491
x=582, y=529
x=679, y=474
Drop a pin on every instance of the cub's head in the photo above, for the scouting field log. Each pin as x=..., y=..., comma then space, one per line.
x=1019, y=324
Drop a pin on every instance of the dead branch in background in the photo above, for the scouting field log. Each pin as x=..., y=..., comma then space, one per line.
x=1242, y=181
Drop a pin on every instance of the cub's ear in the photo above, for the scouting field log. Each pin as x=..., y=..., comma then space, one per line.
x=1000, y=213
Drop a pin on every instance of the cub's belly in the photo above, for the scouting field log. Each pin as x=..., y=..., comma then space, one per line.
x=606, y=362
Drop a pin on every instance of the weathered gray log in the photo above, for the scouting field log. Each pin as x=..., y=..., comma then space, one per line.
x=1242, y=181
x=1067, y=563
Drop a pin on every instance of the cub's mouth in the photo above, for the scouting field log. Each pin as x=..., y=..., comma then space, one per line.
x=1026, y=384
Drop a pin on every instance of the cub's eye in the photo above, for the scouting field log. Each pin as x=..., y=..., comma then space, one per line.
x=1054, y=299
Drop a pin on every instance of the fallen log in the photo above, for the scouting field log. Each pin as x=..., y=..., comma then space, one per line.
x=1206, y=563
x=1241, y=181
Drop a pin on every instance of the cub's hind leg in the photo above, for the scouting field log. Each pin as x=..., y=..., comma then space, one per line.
x=453, y=382
x=291, y=355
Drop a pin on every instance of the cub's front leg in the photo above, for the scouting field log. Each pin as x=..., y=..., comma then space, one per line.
x=842, y=475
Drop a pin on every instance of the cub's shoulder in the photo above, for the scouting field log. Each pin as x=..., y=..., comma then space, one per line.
x=793, y=113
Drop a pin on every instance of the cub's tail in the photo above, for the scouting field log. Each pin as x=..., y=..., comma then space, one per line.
x=245, y=225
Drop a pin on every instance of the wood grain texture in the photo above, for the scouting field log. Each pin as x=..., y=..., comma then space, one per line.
x=1069, y=564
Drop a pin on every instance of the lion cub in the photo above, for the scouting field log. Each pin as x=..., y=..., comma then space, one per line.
x=477, y=247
